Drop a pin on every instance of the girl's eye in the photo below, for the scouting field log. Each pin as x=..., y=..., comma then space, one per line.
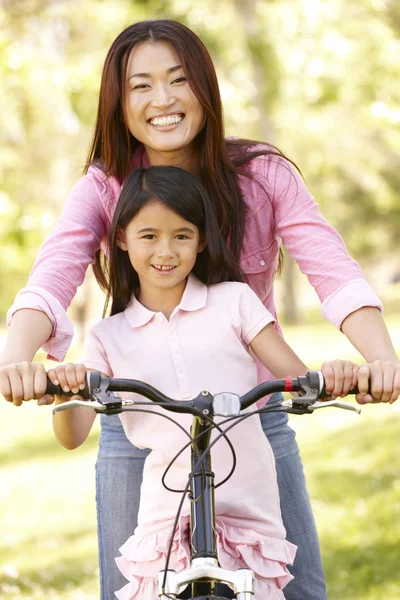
x=141, y=86
x=181, y=236
x=149, y=236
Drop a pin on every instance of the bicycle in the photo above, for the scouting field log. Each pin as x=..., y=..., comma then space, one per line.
x=204, y=574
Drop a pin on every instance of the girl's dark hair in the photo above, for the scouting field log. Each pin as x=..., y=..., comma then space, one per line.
x=183, y=194
x=220, y=160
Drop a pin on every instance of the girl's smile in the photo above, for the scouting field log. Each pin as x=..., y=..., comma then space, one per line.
x=163, y=249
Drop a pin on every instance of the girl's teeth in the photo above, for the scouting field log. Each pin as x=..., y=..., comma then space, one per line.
x=165, y=121
x=164, y=268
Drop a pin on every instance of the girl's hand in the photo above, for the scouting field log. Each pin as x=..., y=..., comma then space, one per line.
x=382, y=379
x=71, y=377
x=24, y=381
x=340, y=377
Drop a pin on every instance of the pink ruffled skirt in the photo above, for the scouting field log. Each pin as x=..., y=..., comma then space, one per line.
x=143, y=557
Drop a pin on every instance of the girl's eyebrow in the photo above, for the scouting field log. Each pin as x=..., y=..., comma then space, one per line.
x=170, y=70
x=153, y=229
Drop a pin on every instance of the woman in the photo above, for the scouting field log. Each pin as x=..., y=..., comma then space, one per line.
x=160, y=104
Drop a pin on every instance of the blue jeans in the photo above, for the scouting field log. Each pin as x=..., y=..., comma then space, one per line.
x=119, y=472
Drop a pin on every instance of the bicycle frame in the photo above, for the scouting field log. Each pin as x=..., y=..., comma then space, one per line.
x=204, y=571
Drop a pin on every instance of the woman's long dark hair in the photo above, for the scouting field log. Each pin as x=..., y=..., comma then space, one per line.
x=182, y=193
x=220, y=160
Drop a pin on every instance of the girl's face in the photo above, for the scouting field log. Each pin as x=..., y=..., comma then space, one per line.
x=162, y=112
x=162, y=248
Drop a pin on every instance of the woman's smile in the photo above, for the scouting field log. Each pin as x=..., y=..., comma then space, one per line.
x=160, y=101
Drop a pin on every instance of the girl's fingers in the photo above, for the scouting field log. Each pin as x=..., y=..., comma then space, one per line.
x=329, y=377
x=348, y=378
x=376, y=380
x=70, y=373
x=339, y=378
x=62, y=378
x=52, y=375
x=81, y=375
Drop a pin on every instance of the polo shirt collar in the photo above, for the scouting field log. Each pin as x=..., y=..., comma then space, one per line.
x=194, y=298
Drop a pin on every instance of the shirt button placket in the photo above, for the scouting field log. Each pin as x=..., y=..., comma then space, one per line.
x=177, y=356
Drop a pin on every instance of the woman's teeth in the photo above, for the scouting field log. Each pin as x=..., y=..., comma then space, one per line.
x=166, y=121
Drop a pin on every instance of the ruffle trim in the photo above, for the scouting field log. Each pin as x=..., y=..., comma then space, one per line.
x=143, y=557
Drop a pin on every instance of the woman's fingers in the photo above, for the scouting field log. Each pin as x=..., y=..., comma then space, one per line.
x=382, y=378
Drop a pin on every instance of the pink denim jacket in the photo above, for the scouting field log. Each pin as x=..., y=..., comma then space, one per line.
x=281, y=208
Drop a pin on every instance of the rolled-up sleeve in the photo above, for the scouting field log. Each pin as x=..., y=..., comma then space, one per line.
x=317, y=248
x=65, y=256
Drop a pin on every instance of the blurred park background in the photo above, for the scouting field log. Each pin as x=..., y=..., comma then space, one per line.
x=317, y=78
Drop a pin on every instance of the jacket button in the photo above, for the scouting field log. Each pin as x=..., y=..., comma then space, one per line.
x=262, y=262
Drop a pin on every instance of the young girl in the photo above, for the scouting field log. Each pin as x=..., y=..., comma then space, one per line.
x=181, y=321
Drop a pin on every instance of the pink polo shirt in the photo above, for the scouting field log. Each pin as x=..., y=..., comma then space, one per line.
x=203, y=346
x=279, y=207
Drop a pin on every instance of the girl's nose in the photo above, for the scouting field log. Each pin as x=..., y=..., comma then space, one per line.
x=164, y=249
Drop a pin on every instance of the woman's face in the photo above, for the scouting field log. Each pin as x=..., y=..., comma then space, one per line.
x=162, y=111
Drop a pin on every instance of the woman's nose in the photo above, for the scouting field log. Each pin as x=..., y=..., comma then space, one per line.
x=162, y=97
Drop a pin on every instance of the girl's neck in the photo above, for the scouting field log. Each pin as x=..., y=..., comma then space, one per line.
x=162, y=299
x=184, y=158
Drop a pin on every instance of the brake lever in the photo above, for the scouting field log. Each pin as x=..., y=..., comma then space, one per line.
x=298, y=408
x=113, y=406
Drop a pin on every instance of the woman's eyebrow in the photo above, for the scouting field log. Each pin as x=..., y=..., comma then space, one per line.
x=170, y=70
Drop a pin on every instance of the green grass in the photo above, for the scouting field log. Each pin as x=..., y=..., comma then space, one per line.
x=48, y=543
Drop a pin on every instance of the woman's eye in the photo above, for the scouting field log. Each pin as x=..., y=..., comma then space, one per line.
x=179, y=79
x=141, y=86
x=149, y=236
x=181, y=236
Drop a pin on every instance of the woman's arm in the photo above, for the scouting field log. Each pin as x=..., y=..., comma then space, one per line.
x=62, y=263
x=28, y=331
x=366, y=330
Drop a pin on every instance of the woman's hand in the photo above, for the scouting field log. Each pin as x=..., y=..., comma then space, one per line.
x=70, y=376
x=340, y=377
x=379, y=381
x=24, y=381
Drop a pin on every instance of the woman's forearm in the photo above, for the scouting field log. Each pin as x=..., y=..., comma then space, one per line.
x=29, y=330
x=366, y=330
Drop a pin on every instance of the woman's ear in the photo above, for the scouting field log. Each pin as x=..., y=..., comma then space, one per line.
x=121, y=239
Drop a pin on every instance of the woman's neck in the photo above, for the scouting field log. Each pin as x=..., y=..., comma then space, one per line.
x=184, y=158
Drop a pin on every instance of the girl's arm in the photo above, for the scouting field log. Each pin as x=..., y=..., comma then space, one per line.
x=275, y=354
x=72, y=426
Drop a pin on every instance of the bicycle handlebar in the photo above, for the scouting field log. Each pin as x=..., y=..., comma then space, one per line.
x=100, y=390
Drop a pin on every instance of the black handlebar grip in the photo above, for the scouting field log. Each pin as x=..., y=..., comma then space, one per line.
x=56, y=390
